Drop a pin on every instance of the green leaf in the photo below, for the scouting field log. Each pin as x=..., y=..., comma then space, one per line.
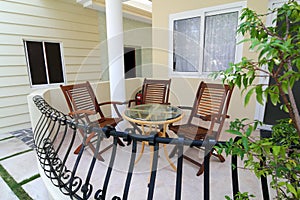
x=249, y=131
x=284, y=86
x=234, y=132
x=238, y=81
x=227, y=198
x=259, y=94
x=292, y=189
x=248, y=95
x=274, y=95
x=276, y=150
x=245, y=143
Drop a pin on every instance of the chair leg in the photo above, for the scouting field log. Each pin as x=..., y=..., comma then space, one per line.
x=120, y=142
x=77, y=150
x=212, y=153
x=88, y=139
x=219, y=156
x=201, y=170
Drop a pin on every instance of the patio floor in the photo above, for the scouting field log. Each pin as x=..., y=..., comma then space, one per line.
x=18, y=158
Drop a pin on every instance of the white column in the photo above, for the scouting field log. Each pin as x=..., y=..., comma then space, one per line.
x=114, y=25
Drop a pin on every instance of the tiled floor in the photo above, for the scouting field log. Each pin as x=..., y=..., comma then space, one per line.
x=19, y=160
x=24, y=166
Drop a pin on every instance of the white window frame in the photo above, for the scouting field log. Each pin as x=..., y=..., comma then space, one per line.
x=260, y=108
x=45, y=59
x=202, y=13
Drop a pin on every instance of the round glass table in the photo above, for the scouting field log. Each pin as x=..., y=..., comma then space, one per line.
x=153, y=117
x=153, y=114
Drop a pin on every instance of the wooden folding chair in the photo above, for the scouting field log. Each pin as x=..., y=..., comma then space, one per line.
x=83, y=105
x=154, y=91
x=210, y=105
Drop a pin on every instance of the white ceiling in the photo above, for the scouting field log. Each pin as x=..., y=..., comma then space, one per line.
x=141, y=4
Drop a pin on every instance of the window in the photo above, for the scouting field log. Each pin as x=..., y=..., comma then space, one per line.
x=44, y=61
x=203, y=41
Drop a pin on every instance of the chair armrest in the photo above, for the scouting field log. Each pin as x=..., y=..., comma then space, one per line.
x=209, y=117
x=88, y=112
x=114, y=103
x=185, y=107
x=130, y=102
x=110, y=102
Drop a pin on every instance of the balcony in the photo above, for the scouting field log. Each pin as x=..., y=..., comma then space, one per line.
x=162, y=183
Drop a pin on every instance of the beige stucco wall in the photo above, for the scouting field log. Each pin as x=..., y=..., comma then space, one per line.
x=183, y=89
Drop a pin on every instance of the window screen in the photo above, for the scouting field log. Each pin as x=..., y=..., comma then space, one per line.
x=44, y=62
x=36, y=63
x=54, y=63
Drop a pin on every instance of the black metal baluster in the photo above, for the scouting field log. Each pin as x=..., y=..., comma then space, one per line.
x=151, y=185
x=179, y=147
x=130, y=169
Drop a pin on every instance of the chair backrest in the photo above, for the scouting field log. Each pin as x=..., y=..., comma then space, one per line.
x=81, y=97
x=211, y=103
x=156, y=91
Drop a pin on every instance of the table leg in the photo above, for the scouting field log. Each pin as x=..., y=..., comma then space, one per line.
x=169, y=160
x=165, y=149
x=143, y=146
x=151, y=161
x=141, y=153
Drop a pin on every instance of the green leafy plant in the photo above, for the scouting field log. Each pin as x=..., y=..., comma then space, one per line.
x=278, y=50
x=280, y=159
x=241, y=196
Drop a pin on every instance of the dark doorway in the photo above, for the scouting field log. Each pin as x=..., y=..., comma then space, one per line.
x=129, y=62
x=274, y=113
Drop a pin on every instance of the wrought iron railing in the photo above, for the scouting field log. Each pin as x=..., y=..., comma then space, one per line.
x=55, y=135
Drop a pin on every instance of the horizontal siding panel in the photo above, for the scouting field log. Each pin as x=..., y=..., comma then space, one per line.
x=13, y=91
x=60, y=21
x=84, y=77
x=68, y=43
x=13, y=120
x=11, y=50
x=15, y=127
x=14, y=110
x=81, y=44
x=62, y=5
x=10, y=39
x=82, y=60
x=12, y=101
x=24, y=9
x=83, y=68
x=14, y=81
x=82, y=52
x=13, y=71
x=11, y=18
x=12, y=60
x=29, y=31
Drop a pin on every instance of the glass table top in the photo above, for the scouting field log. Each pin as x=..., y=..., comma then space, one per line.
x=153, y=112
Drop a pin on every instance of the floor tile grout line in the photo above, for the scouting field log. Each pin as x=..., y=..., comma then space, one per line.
x=16, y=154
x=28, y=180
x=7, y=138
x=13, y=184
x=26, y=136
